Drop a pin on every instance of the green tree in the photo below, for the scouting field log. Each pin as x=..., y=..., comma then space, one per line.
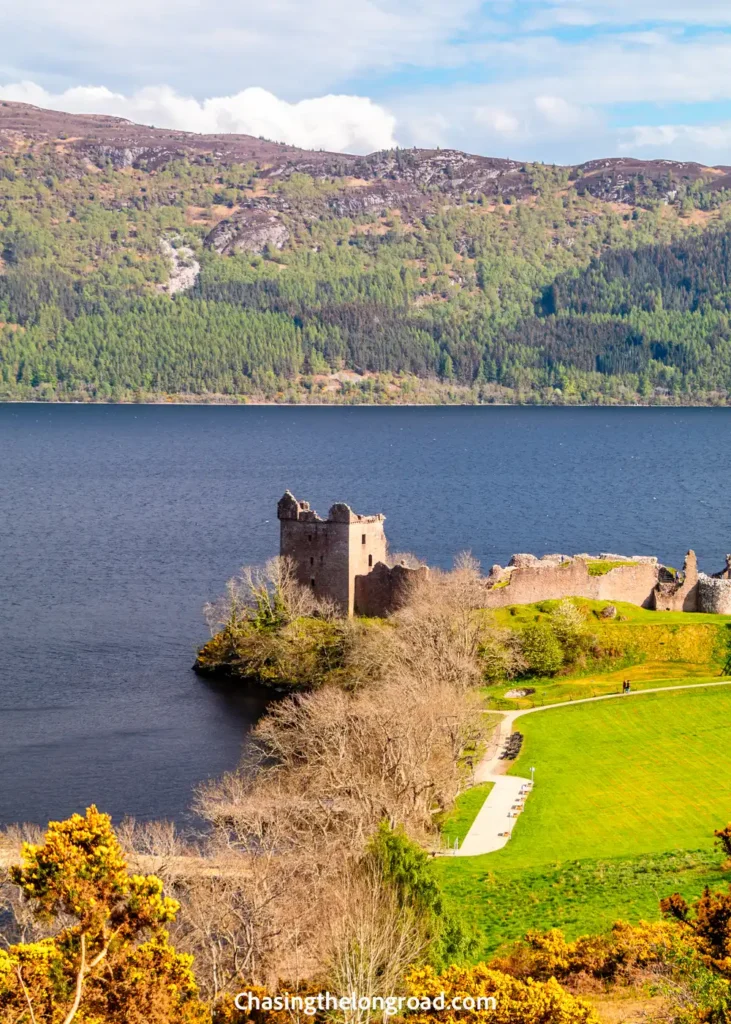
x=406, y=867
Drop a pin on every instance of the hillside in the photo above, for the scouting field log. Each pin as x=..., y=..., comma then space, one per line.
x=140, y=263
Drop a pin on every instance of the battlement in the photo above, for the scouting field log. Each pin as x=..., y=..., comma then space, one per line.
x=289, y=508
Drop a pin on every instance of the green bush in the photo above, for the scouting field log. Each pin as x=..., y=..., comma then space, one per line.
x=542, y=649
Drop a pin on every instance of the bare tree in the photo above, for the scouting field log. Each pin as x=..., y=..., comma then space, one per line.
x=268, y=593
x=371, y=939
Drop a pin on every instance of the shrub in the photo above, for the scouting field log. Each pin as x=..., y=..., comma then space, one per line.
x=527, y=1002
x=569, y=625
x=110, y=959
x=541, y=649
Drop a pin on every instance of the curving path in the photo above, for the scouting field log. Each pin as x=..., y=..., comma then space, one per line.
x=491, y=828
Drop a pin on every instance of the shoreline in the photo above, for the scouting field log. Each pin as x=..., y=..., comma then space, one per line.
x=256, y=403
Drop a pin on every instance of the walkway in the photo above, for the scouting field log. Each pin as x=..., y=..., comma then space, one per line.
x=491, y=828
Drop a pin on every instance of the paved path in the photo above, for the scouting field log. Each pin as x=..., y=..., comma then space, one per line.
x=491, y=828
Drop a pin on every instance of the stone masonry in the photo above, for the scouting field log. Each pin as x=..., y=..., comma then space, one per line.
x=336, y=557
x=528, y=579
x=714, y=594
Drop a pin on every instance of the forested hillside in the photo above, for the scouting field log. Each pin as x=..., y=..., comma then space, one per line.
x=143, y=264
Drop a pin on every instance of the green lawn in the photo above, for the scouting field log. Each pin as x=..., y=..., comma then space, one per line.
x=618, y=778
x=458, y=822
x=580, y=897
x=622, y=789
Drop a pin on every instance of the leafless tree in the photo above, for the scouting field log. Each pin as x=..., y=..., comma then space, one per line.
x=371, y=939
x=272, y=589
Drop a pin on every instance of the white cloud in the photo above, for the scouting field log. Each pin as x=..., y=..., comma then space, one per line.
x=291, y=47
x=561, y=114
x=631, y=12
x=339, y=123
x=686, y=138
x=499, y=121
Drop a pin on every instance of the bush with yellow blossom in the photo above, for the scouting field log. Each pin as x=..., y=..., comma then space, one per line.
x=110, y=962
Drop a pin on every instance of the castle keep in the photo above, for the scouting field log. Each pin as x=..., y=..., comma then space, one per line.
x=342, y=558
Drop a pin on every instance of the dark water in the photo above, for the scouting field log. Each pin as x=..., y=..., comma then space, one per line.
x=117, y=523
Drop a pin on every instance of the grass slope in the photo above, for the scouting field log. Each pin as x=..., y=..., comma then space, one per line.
x=650, y=648
x=623, y=789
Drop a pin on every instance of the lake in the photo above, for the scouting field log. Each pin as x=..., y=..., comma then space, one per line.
x=118, y=522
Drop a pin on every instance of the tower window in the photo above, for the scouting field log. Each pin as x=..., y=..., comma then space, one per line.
x=363, y=539
x=321, y=558
x=312, y=582
x=312, y=561
x=370, y=559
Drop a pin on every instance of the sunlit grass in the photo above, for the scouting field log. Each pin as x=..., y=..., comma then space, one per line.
x=643, y=774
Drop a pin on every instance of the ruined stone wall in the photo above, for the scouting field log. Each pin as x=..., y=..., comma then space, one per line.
x=679, y=595
x=714, y=595
x=367, y=549
x=343, y=558
x=384, y=590
x=545, y=580
x=320, y=552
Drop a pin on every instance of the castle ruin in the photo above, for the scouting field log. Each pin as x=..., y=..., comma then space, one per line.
x=344, y=559
x=637, y=579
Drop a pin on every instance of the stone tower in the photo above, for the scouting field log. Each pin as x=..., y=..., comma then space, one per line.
x=330, y=553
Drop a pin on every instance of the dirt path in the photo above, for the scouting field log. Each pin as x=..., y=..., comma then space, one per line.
x=496, y=818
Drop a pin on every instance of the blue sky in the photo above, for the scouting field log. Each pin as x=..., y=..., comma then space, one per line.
x=554, y=80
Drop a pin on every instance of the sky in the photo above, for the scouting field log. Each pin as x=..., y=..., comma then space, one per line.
x=555, y=80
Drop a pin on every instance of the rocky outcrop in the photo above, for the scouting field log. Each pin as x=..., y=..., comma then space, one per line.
x=253, y=230
x=184, y=268
x=396, y=178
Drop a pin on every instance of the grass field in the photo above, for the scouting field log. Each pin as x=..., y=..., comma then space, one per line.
x=580, y=897
x=623, y=788
x=642, y=775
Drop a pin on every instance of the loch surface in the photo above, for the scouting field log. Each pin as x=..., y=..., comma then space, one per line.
x=118, y=522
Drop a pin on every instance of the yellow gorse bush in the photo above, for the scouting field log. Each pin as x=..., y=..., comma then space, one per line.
x=113, y=964
x=516, y=1002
